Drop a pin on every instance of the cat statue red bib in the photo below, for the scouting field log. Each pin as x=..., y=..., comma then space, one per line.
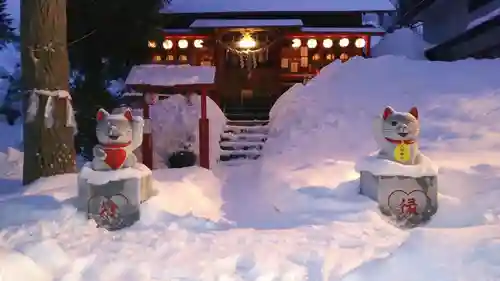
x=118, y=134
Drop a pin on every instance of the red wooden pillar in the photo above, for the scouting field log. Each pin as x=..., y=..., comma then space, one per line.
x=204, y=132
x=147, y=138
x=368, y=45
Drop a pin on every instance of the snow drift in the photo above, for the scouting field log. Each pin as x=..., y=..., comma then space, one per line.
x=175, y=127
x=402, y=42
x=458, y=109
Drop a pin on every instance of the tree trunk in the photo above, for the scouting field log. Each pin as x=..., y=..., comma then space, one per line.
x=45, y=66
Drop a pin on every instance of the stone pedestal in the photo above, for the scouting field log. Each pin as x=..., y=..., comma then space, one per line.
x=113, y=198
x=406, y=194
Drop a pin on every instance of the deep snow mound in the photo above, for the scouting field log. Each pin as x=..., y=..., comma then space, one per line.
x=402, y=42
x=331, y=116
x=321, y=130
x=175, y=125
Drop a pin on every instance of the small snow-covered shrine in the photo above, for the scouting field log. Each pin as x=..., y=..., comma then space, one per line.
x=149, y=82
x=260, y=48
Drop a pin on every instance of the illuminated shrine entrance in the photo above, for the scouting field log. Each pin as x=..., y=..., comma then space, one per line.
x=257, y=60
x=248, y=80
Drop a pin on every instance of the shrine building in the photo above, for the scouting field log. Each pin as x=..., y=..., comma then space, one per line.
x=260, y=48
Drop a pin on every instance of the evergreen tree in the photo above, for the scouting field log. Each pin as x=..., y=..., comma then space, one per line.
x=6, y=29
x=11, y=103
x=87, y=104
x=108, y=37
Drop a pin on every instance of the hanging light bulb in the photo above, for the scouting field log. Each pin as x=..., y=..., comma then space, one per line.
x=344, y=42
x=312, y=43
x=247, y=42
x=328, y=43
x=360, y=43
x=296, y=43
x=168, y=44
x=151, y=44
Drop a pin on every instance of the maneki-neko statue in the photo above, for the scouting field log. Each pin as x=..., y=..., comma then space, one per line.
x=118, y=135
x=113, y=185
x=399, y=176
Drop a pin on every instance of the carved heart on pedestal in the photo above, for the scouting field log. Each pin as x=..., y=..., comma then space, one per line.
x=407, y=204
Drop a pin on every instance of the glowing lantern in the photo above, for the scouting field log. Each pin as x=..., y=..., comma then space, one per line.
x=247, y=42
x=151, y=44
x=296, y=43
x=183, y=44
x=344, y=42
x=168, y=44
x=198, y=43
x=312, y=43
x=328, y=43
x=360, y=43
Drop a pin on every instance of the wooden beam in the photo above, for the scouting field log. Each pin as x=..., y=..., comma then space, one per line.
x=160, y=89
x=332, y=35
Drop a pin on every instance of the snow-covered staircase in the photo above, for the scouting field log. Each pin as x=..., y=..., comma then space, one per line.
x=242, y=141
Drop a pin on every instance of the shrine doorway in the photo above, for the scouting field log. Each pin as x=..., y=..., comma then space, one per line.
x=249, y=83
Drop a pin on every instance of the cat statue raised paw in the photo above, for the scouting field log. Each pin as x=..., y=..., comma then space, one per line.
x=396, y=134
x=118, y=134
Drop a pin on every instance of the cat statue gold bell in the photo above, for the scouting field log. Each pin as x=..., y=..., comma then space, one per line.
x=396, y=134
x=398, y=176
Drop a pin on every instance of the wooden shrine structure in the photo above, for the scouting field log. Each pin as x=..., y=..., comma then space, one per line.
x=152, y=81
x=261, y=48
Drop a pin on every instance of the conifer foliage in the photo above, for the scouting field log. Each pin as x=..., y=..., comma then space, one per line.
x=107, y=37
x=6, y=29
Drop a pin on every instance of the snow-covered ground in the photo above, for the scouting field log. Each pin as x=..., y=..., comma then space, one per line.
x=296, y=214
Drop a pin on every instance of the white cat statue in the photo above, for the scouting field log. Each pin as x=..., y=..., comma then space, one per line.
x=119, y=134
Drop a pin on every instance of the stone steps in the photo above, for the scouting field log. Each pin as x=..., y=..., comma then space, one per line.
x=241, y=145
x=242, y=141
x=250, y=137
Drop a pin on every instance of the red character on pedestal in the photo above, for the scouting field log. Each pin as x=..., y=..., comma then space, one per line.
x=408, y=207
x=108, y=210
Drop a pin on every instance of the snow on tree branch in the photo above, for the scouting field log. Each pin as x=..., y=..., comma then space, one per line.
x=48, y=114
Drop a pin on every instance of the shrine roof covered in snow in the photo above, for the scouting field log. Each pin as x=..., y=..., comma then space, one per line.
x=236, y=23
x=242, y=6
x=344, y=30
x=158, y=75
